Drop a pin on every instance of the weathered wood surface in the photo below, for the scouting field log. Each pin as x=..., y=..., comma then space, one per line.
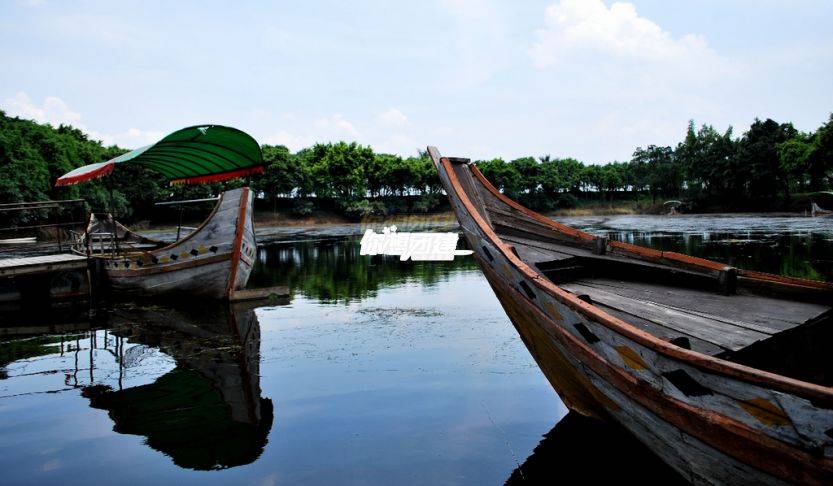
x=728, y=337
x=712, y=420
x=15, y=267
x=211, y=261
x=682, y=339
x=19, y=241
x=258, y=294
x=762, y=313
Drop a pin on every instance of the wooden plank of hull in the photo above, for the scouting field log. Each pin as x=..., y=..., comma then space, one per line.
x=205, y=280
x=212, y=261
x=745, y=419
x=280, y=291
x=694, y=458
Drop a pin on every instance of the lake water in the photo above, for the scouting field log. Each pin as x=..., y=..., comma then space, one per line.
x=373, y=371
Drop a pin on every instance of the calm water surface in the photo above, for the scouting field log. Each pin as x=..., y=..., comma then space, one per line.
x=791, y=245
x=374, y=371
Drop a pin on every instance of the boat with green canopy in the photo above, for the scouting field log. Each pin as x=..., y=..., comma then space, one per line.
x=216, y=258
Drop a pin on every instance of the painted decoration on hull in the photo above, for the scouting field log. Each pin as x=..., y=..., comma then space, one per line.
x=213, y=261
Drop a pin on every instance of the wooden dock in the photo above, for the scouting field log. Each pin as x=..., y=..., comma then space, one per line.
x=18, y=267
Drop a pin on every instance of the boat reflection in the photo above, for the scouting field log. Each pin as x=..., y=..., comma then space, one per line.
x=579, y=446
x=207, y=412
x=185, y=378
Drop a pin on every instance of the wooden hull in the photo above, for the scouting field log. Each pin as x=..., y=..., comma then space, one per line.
x=711, y=420
x=585, y=392
x=213, y=261
x=817, y=211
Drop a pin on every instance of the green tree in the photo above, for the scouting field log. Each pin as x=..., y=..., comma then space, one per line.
x=759, y=160
x=707, y=159
x=794, y=157
x=282, y=175
x=502, y=175
x=664, y=174
x=338, y=170
x=529, y=171
x=820, y=162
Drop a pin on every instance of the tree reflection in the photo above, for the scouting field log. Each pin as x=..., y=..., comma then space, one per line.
x=334, y=271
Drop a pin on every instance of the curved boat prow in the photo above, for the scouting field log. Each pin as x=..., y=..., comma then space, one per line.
x=723, y=372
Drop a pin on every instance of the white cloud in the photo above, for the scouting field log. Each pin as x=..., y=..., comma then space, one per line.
x=390, y=132
x=578, y=28
x=624, y=79
x=130, y=138
x=55, y=111
x=292, y=141
x=393, y=118
x=336, y=125
x=305, y=133
x=397, y=143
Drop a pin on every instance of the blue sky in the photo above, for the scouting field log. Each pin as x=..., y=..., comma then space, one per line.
x=581, y=78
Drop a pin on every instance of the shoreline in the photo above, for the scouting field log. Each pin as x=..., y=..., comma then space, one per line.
x=285, y=228
x=330, y=220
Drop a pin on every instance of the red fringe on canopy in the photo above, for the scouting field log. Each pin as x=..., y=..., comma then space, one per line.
x=68, y=180
x=223, y=176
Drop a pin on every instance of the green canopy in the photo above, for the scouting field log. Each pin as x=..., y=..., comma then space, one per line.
x=193, y=155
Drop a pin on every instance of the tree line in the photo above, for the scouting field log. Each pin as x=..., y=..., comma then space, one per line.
x=765, y=168
x=760, y=170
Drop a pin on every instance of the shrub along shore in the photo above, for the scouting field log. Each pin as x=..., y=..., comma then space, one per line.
x=770, y=167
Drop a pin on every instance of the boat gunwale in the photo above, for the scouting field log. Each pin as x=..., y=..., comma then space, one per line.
x=702, y=361
x=197, y=229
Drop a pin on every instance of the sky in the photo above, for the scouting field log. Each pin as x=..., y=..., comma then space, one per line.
x=589, y=79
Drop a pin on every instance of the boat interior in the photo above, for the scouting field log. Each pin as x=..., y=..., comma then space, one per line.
x=782, y=328
x=106, y=236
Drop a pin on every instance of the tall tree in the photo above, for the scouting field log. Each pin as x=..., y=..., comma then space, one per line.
x=758, y=159
x=664, y=174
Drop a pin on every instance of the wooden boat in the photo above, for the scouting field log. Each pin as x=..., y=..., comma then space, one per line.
x=724, y=373
x=816, y=211
x=215, y=259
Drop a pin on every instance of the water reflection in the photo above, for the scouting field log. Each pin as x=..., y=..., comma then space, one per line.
x=382, y=371
x=186, y=379
x=788, y=245
x=332, y=270
x=583, y=447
